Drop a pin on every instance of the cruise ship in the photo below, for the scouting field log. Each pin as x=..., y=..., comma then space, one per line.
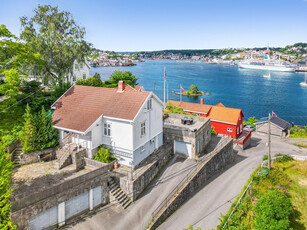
x=266, y=65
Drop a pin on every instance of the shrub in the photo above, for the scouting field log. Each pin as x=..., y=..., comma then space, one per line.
x=6, y=167
x=213, y=133
x=273, y=210
x=91, y=81
x=285, y=157
x=104, y=155
x=126, y=76
x=38, y=132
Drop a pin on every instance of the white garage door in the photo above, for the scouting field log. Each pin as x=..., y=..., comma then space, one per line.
x=97, y=196
x=45, y=219
x=183, y=148
x=76, y=205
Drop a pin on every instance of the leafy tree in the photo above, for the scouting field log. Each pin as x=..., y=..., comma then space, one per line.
x=104, y=155
x=273, y=211
x=251, y=121
x=6, y=167
x=15, y=59
x=38, y=132
x=213, y=133
x=126, y=76
x=27, y=132
x=193, y=89
x=91, y=81
x=55, y=35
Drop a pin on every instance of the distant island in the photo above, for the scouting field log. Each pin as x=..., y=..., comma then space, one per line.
x=193, y=91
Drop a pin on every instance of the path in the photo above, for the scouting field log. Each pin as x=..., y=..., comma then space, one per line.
x=204, y=208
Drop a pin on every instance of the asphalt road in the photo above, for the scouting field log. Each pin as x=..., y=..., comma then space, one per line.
x=205, y=207
x=138, y=215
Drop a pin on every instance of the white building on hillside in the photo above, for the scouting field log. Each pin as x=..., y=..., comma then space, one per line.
x=80, y=71
x=127, y=120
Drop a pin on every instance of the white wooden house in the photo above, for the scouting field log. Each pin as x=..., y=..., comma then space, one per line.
x=127, y=120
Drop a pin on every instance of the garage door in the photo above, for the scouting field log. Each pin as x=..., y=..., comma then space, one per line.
x=183, y=148
x=97, y=196
x=76, y=205
x=45, y=219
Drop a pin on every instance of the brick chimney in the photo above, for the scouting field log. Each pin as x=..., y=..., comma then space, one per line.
x=121, y=86
x=202, y=101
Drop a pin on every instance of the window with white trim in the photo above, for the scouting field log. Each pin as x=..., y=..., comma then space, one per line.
x=143, y=148
x=229, y=129
x=84, y=76
x=149, y=104
x=74, y=78
x=76, y=66
x=107, y=129
x=239, y=117
x=81, y=66
x=241, y=127
x=143, y=128
x=237, y=130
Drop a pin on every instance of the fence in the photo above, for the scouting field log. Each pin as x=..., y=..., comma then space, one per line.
x=187, y=178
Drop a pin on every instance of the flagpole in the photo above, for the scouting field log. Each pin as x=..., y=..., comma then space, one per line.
x=180, y=94
x=164, y=85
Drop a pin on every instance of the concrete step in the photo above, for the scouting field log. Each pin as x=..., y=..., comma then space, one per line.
x=119, y=195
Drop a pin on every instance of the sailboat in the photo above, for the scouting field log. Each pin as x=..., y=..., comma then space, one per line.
x=267, y=75
x=304, y=83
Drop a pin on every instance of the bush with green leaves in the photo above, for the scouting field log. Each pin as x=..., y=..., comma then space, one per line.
x=91, y=81
x=38, y=132
x=104, y=155
x=213, y=133
x=126, y=76
x=174, y=109
x=6, y=167
x=251, y=121
x=273, y=210
x=297, y=132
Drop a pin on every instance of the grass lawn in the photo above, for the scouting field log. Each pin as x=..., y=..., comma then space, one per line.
x=297, y=172
x=288, y=177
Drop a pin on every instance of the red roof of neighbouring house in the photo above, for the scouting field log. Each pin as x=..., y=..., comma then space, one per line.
x=225, y=114
x=218, y=113
x=191, y=107
x=81, y=106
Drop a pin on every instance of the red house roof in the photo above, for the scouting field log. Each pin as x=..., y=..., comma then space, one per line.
x=218, y=113
x=81, y=106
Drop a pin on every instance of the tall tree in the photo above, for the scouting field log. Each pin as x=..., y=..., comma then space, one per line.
x=15, y=61
x=55, y=35
x=126, y=76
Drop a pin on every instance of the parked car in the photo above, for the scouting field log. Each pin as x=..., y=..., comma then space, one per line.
x=249, y=128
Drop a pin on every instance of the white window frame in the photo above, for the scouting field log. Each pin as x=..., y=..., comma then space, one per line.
x=107, y=129
x=241, y=126
x=149, y=104
x=76, y=66
x=229, y=130
x=143, y=129
x=81, y=66
x=238, y=130
x=84, y=76
x=74, y=78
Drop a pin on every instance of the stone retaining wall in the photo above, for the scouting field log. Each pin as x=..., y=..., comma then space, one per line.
x=134, y=188
x=30, y=158
x=33, y=204
x=98, y=164
x=215, y=164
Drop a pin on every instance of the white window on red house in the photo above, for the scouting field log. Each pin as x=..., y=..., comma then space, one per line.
x=229, y=129
x=107, y=129
x=241, y=127
x=237, y=130
x=143, y=129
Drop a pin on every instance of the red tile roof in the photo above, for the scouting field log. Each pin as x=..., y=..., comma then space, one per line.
x=224, y=114
x=217, y=113
x=191, y=107
x=81, y=106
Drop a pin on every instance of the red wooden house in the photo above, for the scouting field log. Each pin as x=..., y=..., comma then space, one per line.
x=224, y=120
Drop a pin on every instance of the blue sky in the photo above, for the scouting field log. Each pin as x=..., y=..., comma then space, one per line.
x=136, y=25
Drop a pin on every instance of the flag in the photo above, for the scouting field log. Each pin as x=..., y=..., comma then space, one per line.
x=164, y=74
x=274, y=114
x=182, y=88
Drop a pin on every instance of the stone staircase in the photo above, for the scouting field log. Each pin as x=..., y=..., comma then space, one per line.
x=119, y=195
x=16, y=156
x=64, y=155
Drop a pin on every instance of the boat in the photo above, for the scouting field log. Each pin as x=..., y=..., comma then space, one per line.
x=267, y=75
x=304, y=83
x=266, y=65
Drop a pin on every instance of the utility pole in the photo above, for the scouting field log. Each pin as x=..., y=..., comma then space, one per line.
x=269, y=143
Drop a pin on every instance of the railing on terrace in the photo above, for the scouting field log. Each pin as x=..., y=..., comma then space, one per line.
x=188, y=177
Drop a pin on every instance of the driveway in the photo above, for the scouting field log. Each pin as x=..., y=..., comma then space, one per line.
x=138, y=214
x=205, y=207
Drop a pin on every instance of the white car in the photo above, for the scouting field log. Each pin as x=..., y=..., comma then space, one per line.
x=249, y=128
